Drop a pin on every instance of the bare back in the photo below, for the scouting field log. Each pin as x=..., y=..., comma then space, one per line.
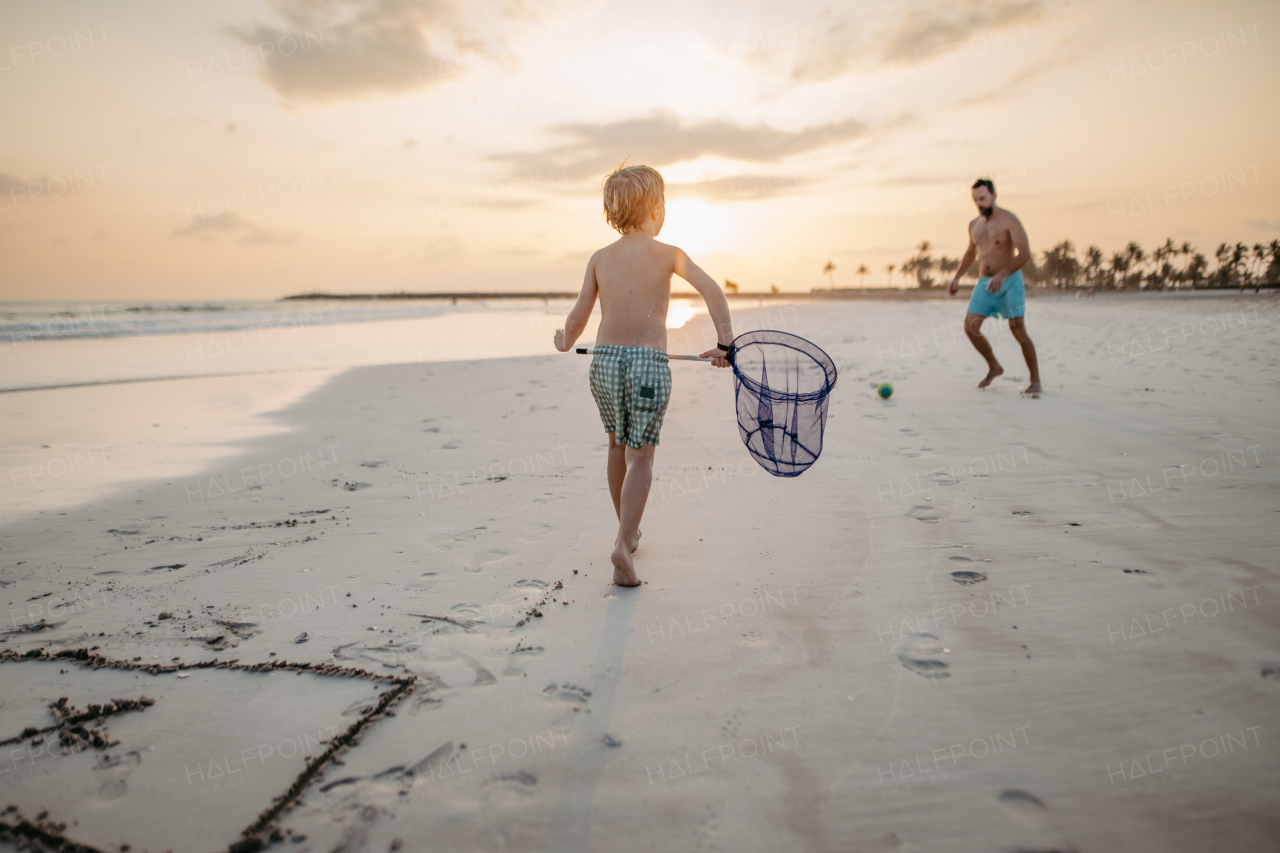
x=996, y=239
x=633, y=275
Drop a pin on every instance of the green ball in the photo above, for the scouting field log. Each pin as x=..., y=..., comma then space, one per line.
x=885, y=390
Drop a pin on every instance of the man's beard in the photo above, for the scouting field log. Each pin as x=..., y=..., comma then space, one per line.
x=986, y=211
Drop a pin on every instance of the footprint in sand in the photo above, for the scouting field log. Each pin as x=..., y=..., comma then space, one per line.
x=430, y=764
x=533, y=584
x=465, y=536
x=483, y=676
x=1028, y=810
x=486, y=558
x=1149, y=578
x=967, y=578
x=916, y=654
x=1271, y=672
x=521, y=781
x=927, y=514
x=113, y=771
x=1025, y=808
x=566, y=693
x=534, y=532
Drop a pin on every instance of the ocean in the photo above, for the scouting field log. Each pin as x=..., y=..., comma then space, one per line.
x=40, y=321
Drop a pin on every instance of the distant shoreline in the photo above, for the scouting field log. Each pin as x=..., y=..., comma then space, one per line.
x=894, y=293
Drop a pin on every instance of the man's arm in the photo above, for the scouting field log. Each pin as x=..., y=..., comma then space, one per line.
x=580, y=314
x=967, y=261
x=713, y=296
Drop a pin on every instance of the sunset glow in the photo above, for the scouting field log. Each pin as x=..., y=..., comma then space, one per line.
x=253, y=149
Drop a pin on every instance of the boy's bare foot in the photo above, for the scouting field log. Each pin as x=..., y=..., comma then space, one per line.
x=991, y=374
x=1033, y=390
x=624, y=573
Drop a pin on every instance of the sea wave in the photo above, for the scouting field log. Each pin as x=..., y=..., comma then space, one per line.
x=36, y=321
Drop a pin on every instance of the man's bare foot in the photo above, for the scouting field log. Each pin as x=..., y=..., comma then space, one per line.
x=991, y=375
x=624, y=574
x=1033, y=390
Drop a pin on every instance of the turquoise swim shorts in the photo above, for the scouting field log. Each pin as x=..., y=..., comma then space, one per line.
x=632, y=386
x=1008, y=302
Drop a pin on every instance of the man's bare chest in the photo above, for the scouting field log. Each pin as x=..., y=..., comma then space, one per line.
x=990, y=236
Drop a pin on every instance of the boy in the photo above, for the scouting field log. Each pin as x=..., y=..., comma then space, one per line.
x=630, y=379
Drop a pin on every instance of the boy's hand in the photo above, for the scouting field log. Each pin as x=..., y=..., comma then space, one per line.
x=717, y=354
x=560, y=342
x=954, y=287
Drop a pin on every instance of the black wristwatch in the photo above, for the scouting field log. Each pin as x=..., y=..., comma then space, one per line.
x=722, y=346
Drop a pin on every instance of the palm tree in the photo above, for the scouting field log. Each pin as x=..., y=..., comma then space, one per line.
x=946, y=265
x=890, y=268
x=1238, y=255
x=921, y=264
x=1259, y=257
x=1060, y=264
x=1136, y=257
x=829, y=270
x=1160, y=269
x=862, y=272
x=1119, y=266
x=1196, y=268
x=1185, y=251
x=1093, y=264
x=1222, y=256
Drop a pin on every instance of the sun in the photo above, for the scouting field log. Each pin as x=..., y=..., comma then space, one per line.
x=696, y=226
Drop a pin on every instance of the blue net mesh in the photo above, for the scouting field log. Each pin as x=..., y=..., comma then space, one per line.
x=781, y=383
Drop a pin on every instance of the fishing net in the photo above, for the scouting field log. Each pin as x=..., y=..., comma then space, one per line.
x=781, y=383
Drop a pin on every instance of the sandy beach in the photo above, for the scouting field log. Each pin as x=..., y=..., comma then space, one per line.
x=365, y=594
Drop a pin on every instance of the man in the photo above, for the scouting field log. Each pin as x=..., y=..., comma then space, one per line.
x=997, y=240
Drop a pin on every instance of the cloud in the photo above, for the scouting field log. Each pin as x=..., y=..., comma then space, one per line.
x=829, y=54
x=922, y=37
x=923, y=31
x=915, y=181
x=9, y=182
x=231, y=222
x=740, y=187
x=1264, y=224
x=264, y=237
x=218, y=222
x=593, y=150
x=353, y=48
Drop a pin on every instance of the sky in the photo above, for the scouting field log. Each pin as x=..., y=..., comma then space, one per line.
x=161, y=149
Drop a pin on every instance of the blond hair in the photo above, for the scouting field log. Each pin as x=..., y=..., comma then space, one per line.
x=631, y=193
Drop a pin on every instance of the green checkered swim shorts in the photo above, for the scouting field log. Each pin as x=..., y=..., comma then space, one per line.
x=632, y=386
